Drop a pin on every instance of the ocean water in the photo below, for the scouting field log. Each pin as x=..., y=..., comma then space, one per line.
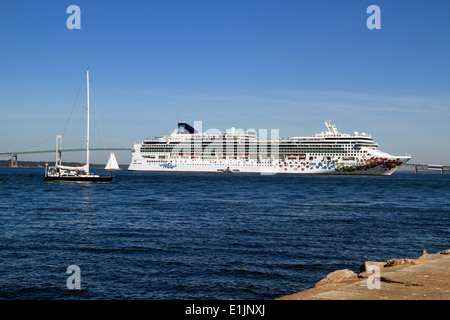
x=209, y=236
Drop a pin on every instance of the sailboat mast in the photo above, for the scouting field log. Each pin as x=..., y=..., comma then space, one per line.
x=87, y=133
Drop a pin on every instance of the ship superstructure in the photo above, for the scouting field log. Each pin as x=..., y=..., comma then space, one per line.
x=238, y=151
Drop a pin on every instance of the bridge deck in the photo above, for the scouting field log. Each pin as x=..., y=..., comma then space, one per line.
x=12, y=153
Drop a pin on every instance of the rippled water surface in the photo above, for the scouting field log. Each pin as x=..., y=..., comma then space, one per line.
x=209, y=236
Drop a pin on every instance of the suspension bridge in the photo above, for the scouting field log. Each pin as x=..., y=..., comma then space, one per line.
x=13, y=154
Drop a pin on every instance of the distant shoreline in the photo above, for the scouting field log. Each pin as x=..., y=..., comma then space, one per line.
x=41, y=164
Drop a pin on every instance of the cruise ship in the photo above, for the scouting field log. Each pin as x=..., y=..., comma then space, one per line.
x=238, y=151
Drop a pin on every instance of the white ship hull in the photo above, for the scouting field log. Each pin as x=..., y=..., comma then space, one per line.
x=273, y=167
x=357, y=157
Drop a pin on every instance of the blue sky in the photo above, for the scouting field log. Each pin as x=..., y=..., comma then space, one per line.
x=287, y=65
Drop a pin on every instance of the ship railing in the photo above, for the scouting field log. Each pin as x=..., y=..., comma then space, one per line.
x=152, y=138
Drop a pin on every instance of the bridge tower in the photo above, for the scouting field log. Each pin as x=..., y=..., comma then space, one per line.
x=58, y=149
x=14, y=160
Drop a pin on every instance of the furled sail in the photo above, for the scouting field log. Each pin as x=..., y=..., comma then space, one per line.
x=83, y=168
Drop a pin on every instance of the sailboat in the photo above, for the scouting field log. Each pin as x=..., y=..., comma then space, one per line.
x=59, y=172
x=112, y=163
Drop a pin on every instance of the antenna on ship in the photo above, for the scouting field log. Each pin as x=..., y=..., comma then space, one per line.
x=331, y=127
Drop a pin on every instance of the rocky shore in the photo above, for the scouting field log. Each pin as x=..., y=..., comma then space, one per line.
x=424, y=278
